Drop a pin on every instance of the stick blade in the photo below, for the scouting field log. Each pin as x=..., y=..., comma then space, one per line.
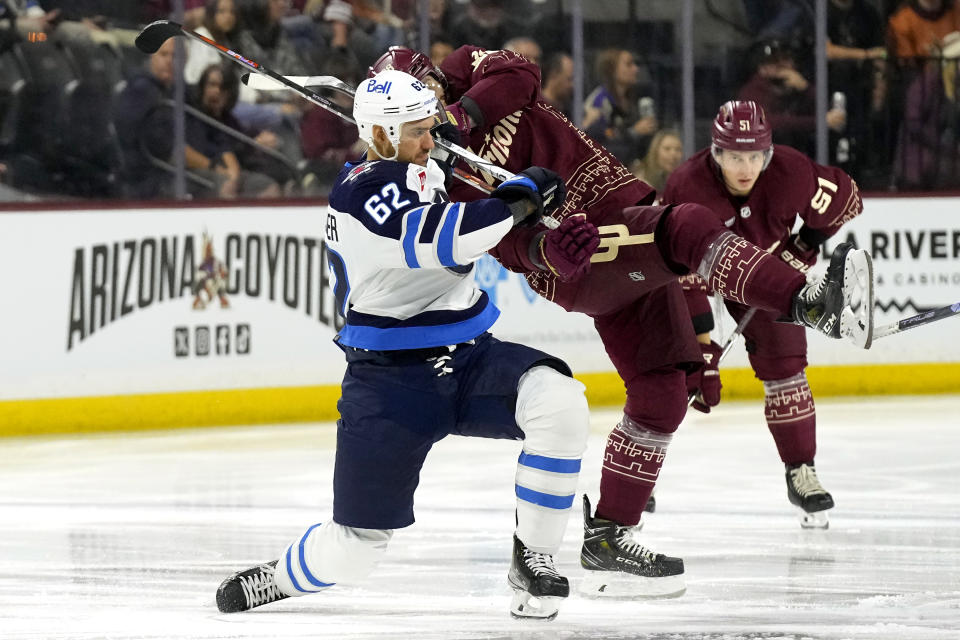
x=155, y=34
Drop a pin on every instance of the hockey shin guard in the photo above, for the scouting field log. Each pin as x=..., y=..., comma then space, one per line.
x=553, y=413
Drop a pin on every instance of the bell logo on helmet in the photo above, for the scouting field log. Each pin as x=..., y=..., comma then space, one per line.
x=383, y=87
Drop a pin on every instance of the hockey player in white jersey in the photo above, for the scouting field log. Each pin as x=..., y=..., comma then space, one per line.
x=421, y=364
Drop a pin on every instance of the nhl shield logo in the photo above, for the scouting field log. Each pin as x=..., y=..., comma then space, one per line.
x=745, y=211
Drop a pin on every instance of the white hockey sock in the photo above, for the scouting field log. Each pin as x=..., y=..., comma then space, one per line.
x=328, y=554
x=553, y=413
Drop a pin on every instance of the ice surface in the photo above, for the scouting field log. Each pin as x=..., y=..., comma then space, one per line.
x=128, y=536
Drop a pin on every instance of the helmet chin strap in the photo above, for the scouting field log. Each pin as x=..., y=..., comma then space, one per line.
x=376, y=149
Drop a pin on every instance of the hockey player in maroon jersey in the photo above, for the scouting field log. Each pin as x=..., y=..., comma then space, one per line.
x=628, y=286
x=757, y=190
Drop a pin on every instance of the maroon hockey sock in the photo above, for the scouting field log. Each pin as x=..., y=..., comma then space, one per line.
x=743, y=272
x=791, y=418
x=631, y=464
x=691, y=236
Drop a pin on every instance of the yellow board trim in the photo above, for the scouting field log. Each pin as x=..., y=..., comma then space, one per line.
x=319, y=403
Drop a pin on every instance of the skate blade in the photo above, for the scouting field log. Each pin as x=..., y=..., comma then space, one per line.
x=856, y=319
x=616, y=584
x=814, y=520
x=526, y=606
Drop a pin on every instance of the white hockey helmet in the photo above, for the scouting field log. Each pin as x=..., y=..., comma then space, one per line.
x=390, y=99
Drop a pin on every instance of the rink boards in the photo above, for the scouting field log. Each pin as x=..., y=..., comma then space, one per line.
x=102, y=327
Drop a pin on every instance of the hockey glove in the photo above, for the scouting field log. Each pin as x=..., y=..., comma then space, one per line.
x=799, y=254
x=446, y=160
x=566, y=250
x=458, y=118
x=540, y=187
x=704, y=385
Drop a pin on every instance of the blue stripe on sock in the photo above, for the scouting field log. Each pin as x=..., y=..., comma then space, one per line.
x=293, y=580
x=557, y=465
x=545, y=499
x=303, y=561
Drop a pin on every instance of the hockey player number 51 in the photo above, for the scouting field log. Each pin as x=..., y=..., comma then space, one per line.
x=821, y=199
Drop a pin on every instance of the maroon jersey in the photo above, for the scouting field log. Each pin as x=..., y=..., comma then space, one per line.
x=792, y=185
x=520, y=130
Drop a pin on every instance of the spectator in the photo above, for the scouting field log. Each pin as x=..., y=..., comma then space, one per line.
x=525, y=46
x=787, y=96
x=611, y=113
x=856, y=53
x=158, y=9
x=215, y=96
x=440, y=20
x=339, y=27
x=928, y=155
x=98, y=21
x=328, y=141
x=486, y=24
x=219, y=24
x=777, y=19
x=381, y=25
x=665, y=155
x=439, y=49
x=557, y=84
x=919, y=26
x=262, y=37
x=145, y=125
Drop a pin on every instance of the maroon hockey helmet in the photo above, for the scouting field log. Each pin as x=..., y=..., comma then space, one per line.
x=408, y=61
x=742, y=126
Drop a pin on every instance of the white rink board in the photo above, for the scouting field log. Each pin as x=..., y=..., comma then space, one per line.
x=52, y=260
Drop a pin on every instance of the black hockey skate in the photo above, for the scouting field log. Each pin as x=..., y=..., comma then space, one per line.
x=618, y=566
x=651, y=505
x=248, y=589
x=839, y=303
x=808, y=495
x=537, y=586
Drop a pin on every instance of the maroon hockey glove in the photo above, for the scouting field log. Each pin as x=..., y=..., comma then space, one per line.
x=457, y=116
x=798, y=254
x=566, y=250
x=704, y=385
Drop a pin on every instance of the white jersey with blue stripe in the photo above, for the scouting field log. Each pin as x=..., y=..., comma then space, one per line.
x=402, y=257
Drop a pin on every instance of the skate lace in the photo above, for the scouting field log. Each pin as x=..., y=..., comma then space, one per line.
x=541, y=564
x=813, y=293
x=260, y=588
x=805, y=482
x=626, y=539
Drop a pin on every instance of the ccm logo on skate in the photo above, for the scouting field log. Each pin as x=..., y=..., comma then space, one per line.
x=628, y=561
x=828, y=325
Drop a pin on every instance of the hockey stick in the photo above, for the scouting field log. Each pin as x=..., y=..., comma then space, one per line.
x=916, y=321
x=153, y=36
x=728, y=344
x=266, y=83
